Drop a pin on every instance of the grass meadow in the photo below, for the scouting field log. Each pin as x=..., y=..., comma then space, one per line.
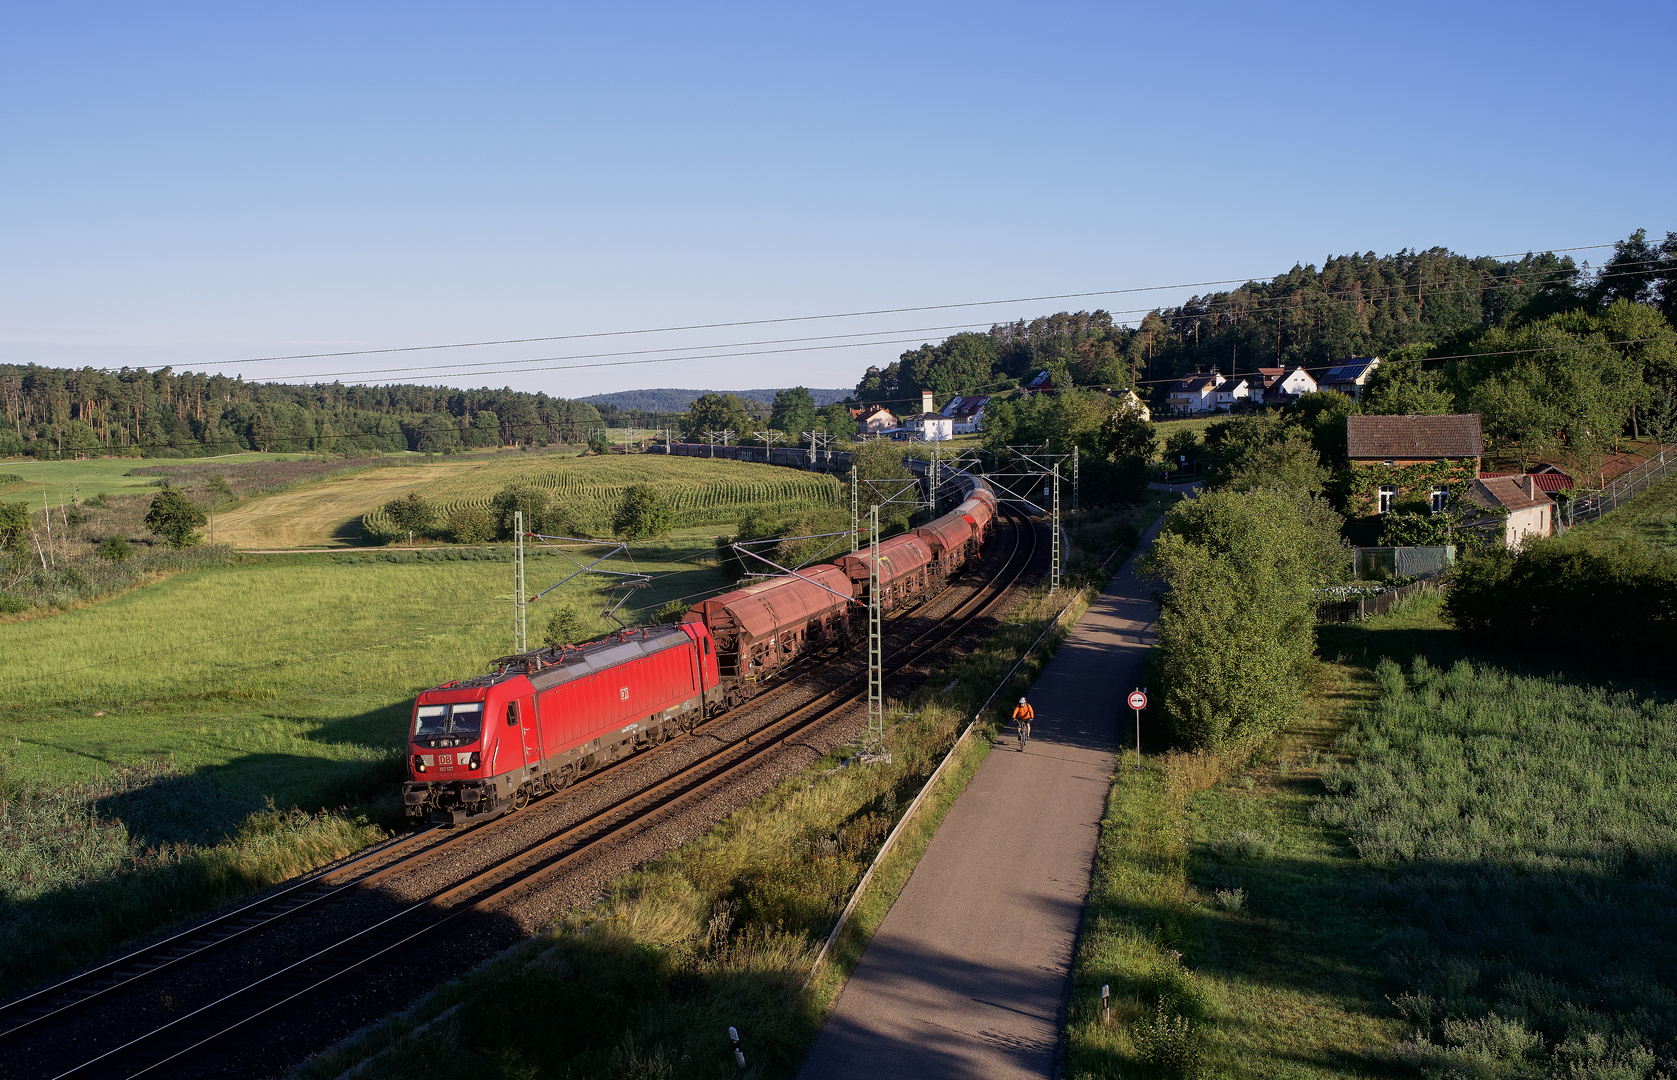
x=589, y=490
x=1651, y=517
x=181, y=744
x=1446, y=868
x=67, y=480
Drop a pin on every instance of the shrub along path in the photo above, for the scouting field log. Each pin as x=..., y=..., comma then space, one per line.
x=968, y=972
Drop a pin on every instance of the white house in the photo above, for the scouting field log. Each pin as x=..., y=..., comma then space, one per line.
x=1530, y=510
x=1348, y=377
x=1195, y=394
x=1230, y=391
x=929, y=425
x=967, y=412
x=1281, y=387
x=1129, y=400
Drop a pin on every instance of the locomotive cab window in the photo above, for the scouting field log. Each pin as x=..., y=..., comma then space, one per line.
x=707, y=646
x=512, y=714
x=463, y=718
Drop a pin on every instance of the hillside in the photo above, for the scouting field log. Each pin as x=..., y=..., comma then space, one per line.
x=672, y=400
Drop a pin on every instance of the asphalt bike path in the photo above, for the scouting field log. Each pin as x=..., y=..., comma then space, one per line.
x=968, y=974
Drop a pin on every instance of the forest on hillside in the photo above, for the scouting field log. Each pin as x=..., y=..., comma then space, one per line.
x=1414, y=305
x=56, y=412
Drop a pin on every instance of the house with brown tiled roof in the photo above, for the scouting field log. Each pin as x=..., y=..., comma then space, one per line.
x=1513, y=504
x=1412, y=462
x=872, y=419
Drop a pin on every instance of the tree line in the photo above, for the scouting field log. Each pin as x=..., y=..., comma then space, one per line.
x=57, y=412
x=1555, y=356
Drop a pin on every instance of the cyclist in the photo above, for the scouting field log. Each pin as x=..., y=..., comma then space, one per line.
x=1023, y=715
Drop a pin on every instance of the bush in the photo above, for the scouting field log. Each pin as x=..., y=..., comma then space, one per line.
x=643, y=513
x=672, y=612
x=566, y=627
x=470, y=525
x=1613, y=602
x=410, y=514
x=175, y=518
x=516, y=497
x=115, y=548
x=1236, y=626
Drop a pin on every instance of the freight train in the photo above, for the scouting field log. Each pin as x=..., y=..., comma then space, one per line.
x=482, y=746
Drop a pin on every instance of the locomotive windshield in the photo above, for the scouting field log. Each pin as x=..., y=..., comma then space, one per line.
x=463, y=718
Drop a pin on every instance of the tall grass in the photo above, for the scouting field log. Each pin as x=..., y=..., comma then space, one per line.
x=84, y=866
x=1527, y=830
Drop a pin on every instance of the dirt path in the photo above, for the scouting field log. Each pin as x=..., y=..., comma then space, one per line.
x=327, y=513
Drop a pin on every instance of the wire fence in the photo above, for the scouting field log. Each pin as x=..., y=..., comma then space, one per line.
x=1590, y=505
x=1344, y=611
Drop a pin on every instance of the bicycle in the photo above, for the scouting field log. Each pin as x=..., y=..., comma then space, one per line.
x=1024, y=734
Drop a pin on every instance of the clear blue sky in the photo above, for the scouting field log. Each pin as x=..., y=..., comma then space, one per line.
x=189, y=183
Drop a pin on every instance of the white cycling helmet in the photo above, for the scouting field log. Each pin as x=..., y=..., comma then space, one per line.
x=1021, y=701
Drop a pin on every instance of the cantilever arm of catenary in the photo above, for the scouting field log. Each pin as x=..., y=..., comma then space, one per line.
x=645, y=579
x=845, y=596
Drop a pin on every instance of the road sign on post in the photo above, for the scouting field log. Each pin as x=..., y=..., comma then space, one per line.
x=1138, y=702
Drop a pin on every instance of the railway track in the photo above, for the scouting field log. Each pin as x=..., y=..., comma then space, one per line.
x=267, y=999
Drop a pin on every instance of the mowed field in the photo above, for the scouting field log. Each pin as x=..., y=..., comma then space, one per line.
x=326, y=513
x=65, y=480
x=1650, y=516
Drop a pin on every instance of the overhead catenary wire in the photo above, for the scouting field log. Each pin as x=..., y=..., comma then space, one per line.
x=1242, y=309
x=812, y=318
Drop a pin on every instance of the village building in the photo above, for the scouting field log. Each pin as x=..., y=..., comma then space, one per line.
x=1417, y=463
x=1129, y=400
x=873, y=419
x=1349, y=377
x=1283, y=387
x=1231, y=392
x=1515, y=503
x=928, y=425
x=967, y=412
x=1194, y=394
x=1041, y=383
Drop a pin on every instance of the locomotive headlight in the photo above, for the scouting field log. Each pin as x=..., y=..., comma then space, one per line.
x=473, y=763
x=418, y=763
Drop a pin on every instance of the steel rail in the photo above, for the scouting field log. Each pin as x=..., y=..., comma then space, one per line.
x=540, y=861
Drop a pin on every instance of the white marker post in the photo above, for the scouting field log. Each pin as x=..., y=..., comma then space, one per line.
x=1138, y=702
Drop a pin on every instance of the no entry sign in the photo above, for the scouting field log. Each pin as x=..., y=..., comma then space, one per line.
x=1138, y=700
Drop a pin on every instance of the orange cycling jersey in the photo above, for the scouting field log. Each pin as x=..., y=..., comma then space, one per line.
x=1023, y=712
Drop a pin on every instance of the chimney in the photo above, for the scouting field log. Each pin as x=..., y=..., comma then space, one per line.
x=925, y=401
x=1531, y=487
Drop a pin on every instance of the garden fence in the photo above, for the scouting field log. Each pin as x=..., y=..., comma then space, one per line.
x=1343, y=611
x=1590, y=505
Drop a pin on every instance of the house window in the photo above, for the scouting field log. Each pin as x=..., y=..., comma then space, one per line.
x=1439, y=494
x=1387, y=494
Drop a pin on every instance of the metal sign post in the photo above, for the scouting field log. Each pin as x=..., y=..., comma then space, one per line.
x=1138, y=702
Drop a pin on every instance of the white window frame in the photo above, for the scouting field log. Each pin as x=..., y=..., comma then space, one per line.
x=1387, y=494
x=1440, y=494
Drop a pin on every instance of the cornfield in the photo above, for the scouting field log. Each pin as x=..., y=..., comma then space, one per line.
x=590, y=490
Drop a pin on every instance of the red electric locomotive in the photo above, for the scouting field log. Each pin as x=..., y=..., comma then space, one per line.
x=483, y=745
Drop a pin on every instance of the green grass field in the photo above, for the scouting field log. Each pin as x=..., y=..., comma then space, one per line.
x=1455, y=872
x=1651, y=516
x=68, y=479
x=588, y=490
x=281, y=672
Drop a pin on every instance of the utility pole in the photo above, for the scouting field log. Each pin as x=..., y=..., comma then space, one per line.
x=931, y=492
x=520, y=640
x=876, y=680
x=855, y=520
x=1074, y=480
x=1054, y=582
